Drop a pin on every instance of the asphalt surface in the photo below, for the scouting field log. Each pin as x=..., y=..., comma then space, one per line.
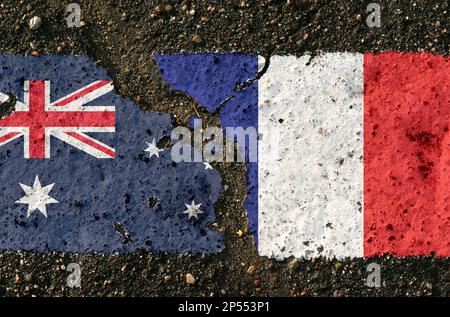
x=122, y=36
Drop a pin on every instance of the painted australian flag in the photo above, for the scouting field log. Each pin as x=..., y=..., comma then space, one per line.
x=81, y=169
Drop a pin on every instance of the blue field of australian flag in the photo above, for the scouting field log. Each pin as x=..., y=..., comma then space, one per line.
x=81, y=170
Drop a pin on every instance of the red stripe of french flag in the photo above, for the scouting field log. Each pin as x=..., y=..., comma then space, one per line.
x=355, y=156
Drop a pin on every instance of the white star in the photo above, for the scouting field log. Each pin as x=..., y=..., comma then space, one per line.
x=207, y=166
x=193, y=210
x=152, y=149
x=36, y=197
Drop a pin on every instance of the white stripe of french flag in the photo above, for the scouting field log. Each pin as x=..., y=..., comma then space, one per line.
x=354, y=159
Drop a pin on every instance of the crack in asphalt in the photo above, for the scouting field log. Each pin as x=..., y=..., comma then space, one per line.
x=312, y=15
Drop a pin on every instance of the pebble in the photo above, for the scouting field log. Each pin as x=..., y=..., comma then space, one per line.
x=196, y=39
x=251, y=269
x=337, y=293
x=240, y=233
x=28, y=277
x=168, y=8
x=293, y=265
x=190, y=279
x=168, y=277
x=35, y=23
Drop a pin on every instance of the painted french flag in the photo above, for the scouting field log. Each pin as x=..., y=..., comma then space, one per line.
x=354, y=149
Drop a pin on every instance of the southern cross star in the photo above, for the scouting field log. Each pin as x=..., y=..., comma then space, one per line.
x=152, y=149
x=36, y=197
x=193, y=210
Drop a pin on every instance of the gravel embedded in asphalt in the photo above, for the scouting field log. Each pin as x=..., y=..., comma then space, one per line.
x=122, y=36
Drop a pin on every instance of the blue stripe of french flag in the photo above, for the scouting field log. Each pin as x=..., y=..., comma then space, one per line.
x=353, y=158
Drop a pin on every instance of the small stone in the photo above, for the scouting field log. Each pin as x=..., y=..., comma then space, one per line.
x=290, y=2
x=337, y=293
x=35, y=23
x=157, y=9
x=28, y=277
x=359, y=17
x=168, y=8
x=192, y=12
x=257, y=282
x=258, y=290
x=17, y=278
x=239, y=233
x=251, y=269
x=196, y=39
x=293, y=265
x=223, y=292
x=82, y=23
x=190, y=279
x=429, y=285
x=205, y=19
x=168, y=277
x=338, y=265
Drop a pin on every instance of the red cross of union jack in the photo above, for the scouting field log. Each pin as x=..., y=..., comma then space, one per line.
x=36, y=119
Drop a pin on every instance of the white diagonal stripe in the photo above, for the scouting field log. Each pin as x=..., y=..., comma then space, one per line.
x=63, y=136
x=77, y=104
